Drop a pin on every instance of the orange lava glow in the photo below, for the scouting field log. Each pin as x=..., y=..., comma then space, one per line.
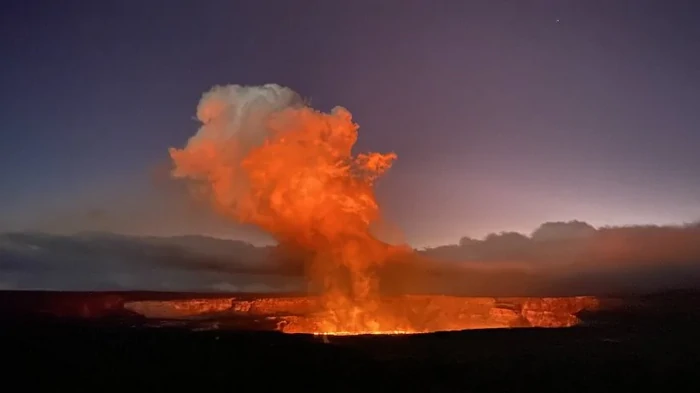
x=360, y=333
x=415, y=314
x=412, y=314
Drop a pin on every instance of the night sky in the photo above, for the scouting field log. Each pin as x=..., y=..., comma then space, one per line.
x=504, y=114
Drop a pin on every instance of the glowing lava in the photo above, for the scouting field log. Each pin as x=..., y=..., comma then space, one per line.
x=414, y=314
x=360, y=333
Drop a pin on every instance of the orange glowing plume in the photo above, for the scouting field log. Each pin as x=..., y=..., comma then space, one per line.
x=264, y=157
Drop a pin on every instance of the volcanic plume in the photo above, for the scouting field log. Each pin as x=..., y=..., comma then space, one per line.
x=262, y=156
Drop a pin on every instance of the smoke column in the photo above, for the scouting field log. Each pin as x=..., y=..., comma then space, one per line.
x=263, y=157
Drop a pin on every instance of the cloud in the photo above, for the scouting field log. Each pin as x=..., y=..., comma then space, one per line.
x=556, y=259
x=103, y=261
x=574, y=257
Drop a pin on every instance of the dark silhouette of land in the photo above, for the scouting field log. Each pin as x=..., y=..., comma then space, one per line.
x=49, y=339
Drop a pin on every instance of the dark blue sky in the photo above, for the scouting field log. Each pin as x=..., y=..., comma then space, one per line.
x=503, y=114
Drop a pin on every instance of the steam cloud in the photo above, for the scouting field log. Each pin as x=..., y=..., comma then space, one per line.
x=263, y=157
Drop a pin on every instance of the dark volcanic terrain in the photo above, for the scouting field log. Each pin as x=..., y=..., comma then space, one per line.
x=645, y=342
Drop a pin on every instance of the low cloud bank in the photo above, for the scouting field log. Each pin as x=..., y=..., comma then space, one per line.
x=102, y=261
x=575, y=258
x=561, y=258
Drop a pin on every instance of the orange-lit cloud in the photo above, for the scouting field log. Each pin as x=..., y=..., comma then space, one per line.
x=263, y=157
